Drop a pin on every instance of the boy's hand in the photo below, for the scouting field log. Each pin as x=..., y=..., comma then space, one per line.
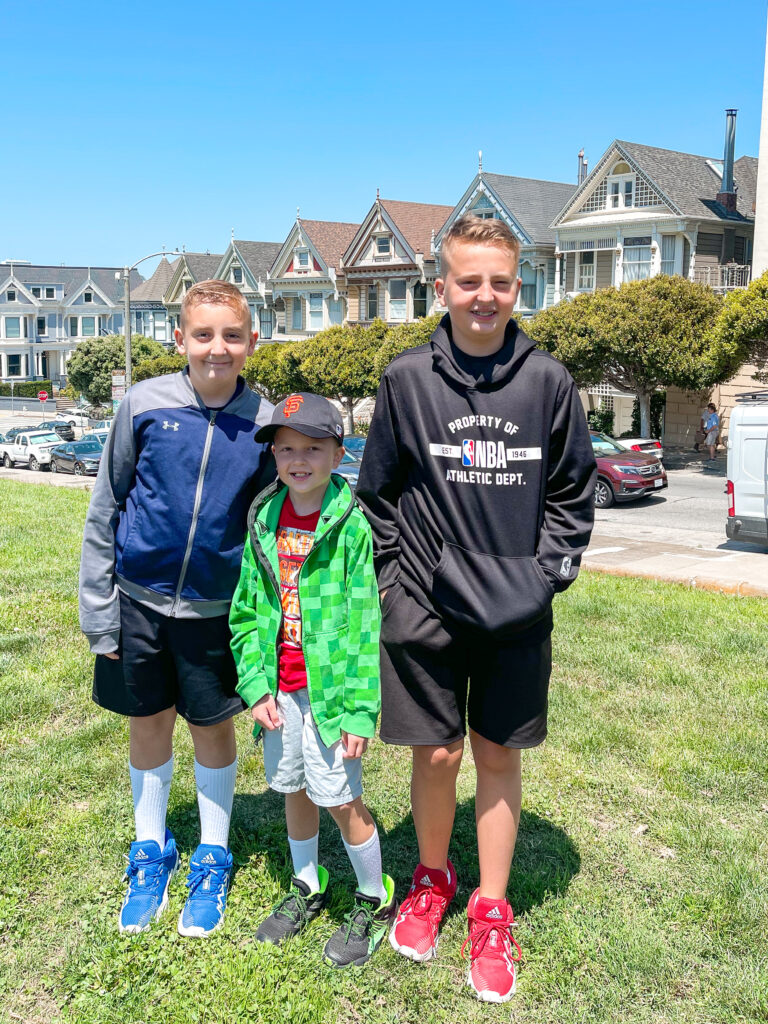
x=266, y=713
x=113, y=656
x=354, y=746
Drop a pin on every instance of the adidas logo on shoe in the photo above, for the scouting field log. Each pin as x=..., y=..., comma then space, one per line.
x=494, y=914
x=141, y=856
x=426, y=880
x=208, y=859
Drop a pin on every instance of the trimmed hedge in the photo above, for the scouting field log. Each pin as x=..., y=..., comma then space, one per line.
x=26, y=389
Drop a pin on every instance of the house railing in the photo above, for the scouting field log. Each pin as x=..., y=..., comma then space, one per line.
x=723, y=278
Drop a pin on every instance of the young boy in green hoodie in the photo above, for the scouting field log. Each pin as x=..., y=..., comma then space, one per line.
x=305, y=624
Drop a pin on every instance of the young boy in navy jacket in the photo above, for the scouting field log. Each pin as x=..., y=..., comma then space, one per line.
x=477, y=480
x=161, y=557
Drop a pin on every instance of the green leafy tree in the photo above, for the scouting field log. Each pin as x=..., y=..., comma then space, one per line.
x=641, y=337
x=742, y=326
x=90, y=366
x=159, y=367
x=402, y=337
x=275, y=370
x=339, y=363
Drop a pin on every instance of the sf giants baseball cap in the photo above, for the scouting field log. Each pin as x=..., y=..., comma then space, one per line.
x=310, y=414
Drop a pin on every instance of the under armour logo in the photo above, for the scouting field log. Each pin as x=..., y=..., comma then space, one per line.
x=494, y=914
x=170, y=426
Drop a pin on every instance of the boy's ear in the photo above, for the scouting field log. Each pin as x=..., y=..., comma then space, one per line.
x=338, y=456
x=179, y=338
x=440, y=290
x=252, y=342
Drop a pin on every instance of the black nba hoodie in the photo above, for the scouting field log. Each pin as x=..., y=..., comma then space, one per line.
x=478, y=483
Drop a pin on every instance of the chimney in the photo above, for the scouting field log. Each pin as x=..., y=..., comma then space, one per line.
x=582, y=168
x=727, y=194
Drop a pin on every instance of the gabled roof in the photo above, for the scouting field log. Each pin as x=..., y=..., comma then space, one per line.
x=75, y=278
x=258, y=256
x=330, y=238
x=533, y=203
x=202, y=265
x=153, y=289
x=417, y=222
x=689, y=183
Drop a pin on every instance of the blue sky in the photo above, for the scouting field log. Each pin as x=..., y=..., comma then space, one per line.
x=130, y=127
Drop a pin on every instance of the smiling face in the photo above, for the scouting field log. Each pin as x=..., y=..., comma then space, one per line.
x=216, y=339
x=479, y=288
x=304, y=465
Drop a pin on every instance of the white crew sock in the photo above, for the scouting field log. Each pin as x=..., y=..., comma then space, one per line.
x=366, y=863
x=215, y=792
x=304, y=857
x=150, y=790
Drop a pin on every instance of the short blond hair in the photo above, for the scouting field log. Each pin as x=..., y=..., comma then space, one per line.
x=215, y=293
x=479, y=231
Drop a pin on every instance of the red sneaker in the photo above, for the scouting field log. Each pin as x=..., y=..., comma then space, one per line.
x=493, y=952
x=414, y=933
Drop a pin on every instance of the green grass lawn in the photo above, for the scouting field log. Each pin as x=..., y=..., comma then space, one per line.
x=640, y=880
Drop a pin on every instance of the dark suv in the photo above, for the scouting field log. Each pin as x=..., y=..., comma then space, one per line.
x=623, y=475
x=62, y=428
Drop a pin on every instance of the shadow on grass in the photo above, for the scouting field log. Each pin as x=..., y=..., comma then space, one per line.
x=546, y=858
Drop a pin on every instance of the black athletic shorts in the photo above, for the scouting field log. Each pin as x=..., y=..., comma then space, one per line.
x=167, y=662
x=436, y=675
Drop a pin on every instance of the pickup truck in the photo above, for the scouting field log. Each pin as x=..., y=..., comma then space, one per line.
x=31, y=447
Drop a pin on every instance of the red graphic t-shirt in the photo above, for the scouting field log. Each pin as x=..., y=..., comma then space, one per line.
x=295, y=536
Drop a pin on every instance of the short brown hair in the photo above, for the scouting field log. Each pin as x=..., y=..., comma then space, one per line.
x=215, y=293
x=479, y=231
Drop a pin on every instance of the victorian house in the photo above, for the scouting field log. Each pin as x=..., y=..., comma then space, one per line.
x=148, y=314
x=308, y=292
x=528, y=206
x=45, y=311
x=247, y=265
x=188, y=269
x=389, y=265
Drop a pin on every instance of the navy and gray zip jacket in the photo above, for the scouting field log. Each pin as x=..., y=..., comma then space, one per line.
x=167, y=519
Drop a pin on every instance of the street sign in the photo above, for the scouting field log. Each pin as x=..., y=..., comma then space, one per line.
x=42, y=396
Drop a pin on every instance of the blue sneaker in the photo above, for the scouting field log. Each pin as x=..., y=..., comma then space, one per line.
x=149, y=874
x=208, y=883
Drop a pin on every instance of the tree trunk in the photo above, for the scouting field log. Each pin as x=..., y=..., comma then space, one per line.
x=349, y=404
x=644, y=401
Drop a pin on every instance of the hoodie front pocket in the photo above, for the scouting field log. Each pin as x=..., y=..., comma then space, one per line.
x=494, y=593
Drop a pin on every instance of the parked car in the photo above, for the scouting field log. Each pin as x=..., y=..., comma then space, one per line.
x=64, y=430
x=102, y=425
x=623, y=475
x=100, y=435
x=11, y=432
x=79, y=457
x=349, y=468
x=355, y=445
x=648, y=445
x=74, y=417
x=31, y=448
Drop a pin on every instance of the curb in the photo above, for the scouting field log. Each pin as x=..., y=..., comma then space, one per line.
x=740, y=589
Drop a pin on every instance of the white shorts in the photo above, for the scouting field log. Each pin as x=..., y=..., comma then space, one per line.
x=296, y=758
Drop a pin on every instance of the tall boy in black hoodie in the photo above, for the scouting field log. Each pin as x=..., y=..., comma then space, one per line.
x=477, y=480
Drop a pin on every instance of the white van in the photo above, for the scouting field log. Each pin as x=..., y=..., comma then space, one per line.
x=748, y=469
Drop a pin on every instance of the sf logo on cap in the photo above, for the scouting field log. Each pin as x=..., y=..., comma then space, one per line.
x=292, y=405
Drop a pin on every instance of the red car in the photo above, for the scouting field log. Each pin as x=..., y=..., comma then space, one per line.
x=623, y=475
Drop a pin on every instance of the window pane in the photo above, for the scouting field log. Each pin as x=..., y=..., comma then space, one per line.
x=528, y=296
x=397, y=289
x=303, y=259
x=73, y=327
x=14, y=366
x=419, y=300
x=12, y=327
x=36, y=293
x=382, y=244
x=315, y=301
x=296, y=315
x=41, y=327
x=373, y=302
x=315, y=311
x=265, y=324
x=237, y=275
x=88, y=326
x=49, y=293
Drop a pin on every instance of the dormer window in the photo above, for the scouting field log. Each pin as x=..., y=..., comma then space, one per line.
x=36, y=291
x=383, y=245
x=237, y=275
x=50, y=293
x=87, y=296
x=302, y=259
x=10, y=295
x=620, y=187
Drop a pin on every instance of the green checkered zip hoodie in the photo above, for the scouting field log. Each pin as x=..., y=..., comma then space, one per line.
x=340, y=613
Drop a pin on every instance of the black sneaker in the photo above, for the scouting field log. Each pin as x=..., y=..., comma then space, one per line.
x=364, y=927
x=294, y=911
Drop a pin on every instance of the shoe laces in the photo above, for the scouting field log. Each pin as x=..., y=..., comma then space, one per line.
x=359, y=921
x=293, y=906
x=420, y=899
x=143, y=876
x=481, y=934
x=197, y=877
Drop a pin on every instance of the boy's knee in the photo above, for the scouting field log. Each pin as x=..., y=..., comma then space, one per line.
x=438, y=760
x=492, y=757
